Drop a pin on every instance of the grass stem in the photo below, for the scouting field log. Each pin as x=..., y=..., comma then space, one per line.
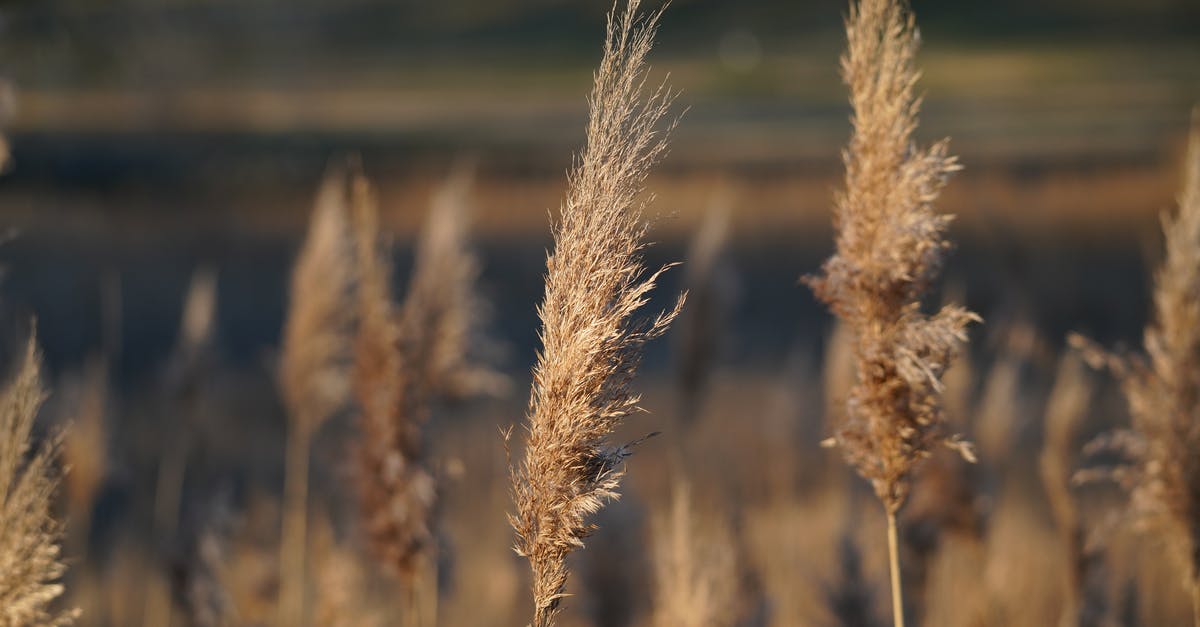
x=894, y=567
x=294, y=542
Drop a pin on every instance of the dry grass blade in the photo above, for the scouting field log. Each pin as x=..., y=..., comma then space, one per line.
x=595, y=283
x=312, y=372
x=30, y=552
x=890, y=244
x=1162, y=472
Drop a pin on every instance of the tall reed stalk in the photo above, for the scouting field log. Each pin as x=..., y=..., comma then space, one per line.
x=312, y=378
x=591, y=345
x=406, y=358
x=397, y=490
x=890, y=244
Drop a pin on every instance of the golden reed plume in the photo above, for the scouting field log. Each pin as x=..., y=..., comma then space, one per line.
x=591, y=345
x=1162, y=447
x=30, y=538
x=397, y=492
x=890, y=244
x=406, y=358
x=312, y=372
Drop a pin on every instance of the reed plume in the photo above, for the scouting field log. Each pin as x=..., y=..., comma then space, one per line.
x=890, y=243
x=1162, y=466
x=312, y=378
x=30, y=537
x=591, y=344
x=442, y=316
x=397, y=491
x=407, y=358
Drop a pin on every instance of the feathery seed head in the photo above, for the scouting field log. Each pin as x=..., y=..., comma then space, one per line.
x=30, y=552
x=591, y=343
x=398, y=494
x=316, y=334
x=1162, y=469
x=890, y=244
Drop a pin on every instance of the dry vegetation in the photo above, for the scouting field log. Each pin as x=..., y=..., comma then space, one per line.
x=890, y=245
x=591, y=345
x=381, y=494
x=30, y=535
x=1160, y=469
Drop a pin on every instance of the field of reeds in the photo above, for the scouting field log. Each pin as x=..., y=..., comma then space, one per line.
x=885, y=325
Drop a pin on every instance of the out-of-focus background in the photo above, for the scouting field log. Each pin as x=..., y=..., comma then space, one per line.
x=153, y=138
x=154, y=135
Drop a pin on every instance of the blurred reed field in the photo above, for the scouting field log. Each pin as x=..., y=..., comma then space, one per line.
x=278, y=277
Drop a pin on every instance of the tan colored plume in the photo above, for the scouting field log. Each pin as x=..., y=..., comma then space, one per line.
x=397, y=491
x=1162, y=387
x=889, y=247
x=31, y=564
x=591, y=343
x=312, y=372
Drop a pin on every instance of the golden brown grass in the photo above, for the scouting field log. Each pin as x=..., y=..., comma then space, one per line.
x=695, y=565
x=890, y=244
x=397, y=491
x=442, y=316
x=591, y=345
x=312, y=378
x=1162, y=469
x=1065, y=411
x=30, y=551
x=407, y=358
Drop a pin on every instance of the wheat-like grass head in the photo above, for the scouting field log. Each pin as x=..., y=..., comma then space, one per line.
x=591, y=341
x=890, y=246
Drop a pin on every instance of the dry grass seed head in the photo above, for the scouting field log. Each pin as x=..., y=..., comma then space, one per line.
x=1162, y=470
x=30, y=553
x=397, y=493
x=595, y=283
x=890, y=244
x=443, y=315
x=316, y=334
